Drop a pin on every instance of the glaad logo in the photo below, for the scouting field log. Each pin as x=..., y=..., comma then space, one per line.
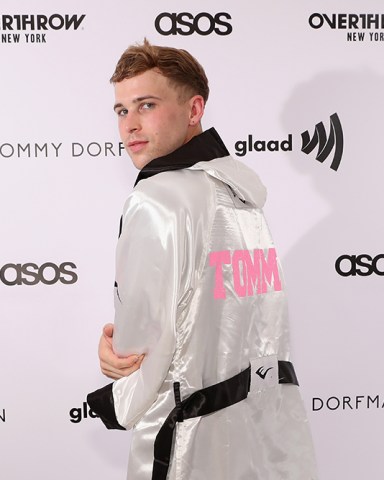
x=362, y=265
x=185, y=23
x=244, y=146
x=77, y=414
x=326, y=145
x=31, y=274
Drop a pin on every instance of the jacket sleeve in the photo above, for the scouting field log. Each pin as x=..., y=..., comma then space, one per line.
x=148, y=271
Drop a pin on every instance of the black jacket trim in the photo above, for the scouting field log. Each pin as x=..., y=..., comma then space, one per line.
x=101, y=402
x=203, y=402
x=287, y=373
x=201, y=148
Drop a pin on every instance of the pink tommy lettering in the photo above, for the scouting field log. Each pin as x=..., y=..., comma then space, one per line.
x=217, y=259
x=252, y=272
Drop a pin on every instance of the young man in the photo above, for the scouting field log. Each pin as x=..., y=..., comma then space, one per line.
x=199, y=298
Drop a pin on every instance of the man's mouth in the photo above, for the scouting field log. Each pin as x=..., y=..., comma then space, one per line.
x=136, y=145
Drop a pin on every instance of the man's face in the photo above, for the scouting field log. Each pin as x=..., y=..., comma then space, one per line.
x=153, y=120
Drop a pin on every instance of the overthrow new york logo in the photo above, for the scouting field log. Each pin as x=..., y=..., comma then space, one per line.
x=335, y=141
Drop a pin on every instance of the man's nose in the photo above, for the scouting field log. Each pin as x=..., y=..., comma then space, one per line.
x=132, y=122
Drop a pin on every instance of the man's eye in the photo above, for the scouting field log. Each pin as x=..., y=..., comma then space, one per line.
x=147, y=105
x=122, y=113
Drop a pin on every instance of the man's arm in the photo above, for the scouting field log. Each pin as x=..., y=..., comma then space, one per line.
x=149, y=260
x=112, y=365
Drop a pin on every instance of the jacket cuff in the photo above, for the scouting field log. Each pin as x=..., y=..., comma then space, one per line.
x=101, y=402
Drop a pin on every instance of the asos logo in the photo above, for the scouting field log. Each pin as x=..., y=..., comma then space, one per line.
x=185, y=23
x=31, y=274
x=362, y=265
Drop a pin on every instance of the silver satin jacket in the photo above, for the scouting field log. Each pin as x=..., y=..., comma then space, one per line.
x=200, y=291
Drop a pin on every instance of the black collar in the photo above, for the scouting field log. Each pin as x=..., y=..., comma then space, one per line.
x=202, y=148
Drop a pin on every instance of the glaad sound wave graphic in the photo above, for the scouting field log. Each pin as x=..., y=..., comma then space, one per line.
x=335, y=139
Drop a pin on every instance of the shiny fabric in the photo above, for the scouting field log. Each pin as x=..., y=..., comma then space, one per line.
x=202, y=402
x=200, y=292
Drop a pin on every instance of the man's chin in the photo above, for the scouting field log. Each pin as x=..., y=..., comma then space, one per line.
x=140, y=161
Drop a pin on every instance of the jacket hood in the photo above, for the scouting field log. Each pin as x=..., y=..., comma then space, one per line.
x=241, y=179
x=208, y=152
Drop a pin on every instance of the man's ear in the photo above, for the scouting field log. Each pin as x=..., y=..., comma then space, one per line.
x=197, y=105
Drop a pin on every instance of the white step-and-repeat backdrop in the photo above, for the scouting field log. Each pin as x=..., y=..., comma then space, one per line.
x=298, y=95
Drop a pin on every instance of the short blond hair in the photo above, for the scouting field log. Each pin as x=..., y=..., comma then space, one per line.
x=180, y=68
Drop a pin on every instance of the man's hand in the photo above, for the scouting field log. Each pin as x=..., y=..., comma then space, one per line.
x=111, y=365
